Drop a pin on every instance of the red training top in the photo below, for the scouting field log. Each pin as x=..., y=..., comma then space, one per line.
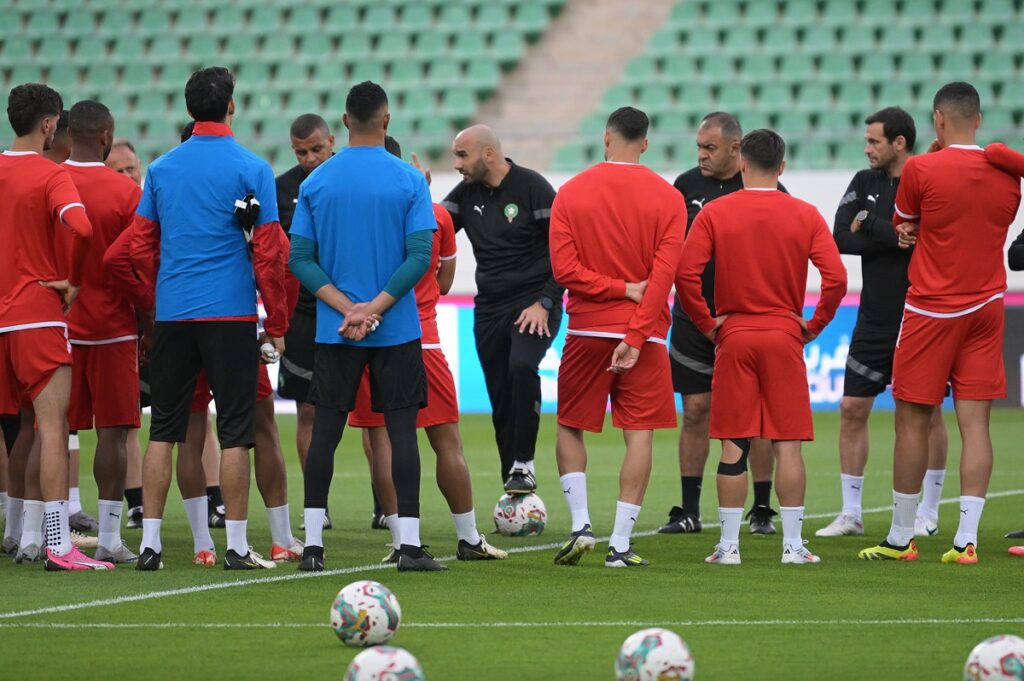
x=761, y=241
x=964, y=207
x=427, y=289
x=612, y=224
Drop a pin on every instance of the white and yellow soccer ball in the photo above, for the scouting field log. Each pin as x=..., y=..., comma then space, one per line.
x=995, y=659
x=654, y=655
x=520, y=515
x=384, y=663
x=365, y=613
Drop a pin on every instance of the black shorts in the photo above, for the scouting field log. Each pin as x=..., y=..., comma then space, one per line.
x=869, y=362
x=144, y=397
x=229, y=353
x=297, y=363
x=397, y=377
x=692, y=357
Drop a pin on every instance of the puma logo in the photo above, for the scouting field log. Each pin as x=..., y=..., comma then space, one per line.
x=699, y=204
x=479, y=209
x=963, y=511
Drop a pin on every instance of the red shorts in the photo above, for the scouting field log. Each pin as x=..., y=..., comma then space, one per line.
x=442, y=402
x=104, y=386
x=966, y=351
x=202, y=397
x=28, y=359
x=642, y=398
x=760, y=387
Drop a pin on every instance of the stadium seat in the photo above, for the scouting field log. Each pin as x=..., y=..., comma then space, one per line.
x=367, y=69
x=976, y=38
x=956, y=66
x=531, y=18
x=937, y=38
x=779, y=41
x=756, y=69
x=855, y=97
x=876, y=68
x=715, y=69
x=654, y=98
x=163, y=49
x=642, y=70
x=916, y=67
x=303, y=20
x=818, y=39
x=115, y=22
x=796, y=68
x=673, y=123
x=290, y=75
x=63, y=76
x=266, y=20
x=191, y=21
x=997, y=11
x=700, y=41
x=740, y=40
x=136, y=77
x=52, y=49
x=202, y=49
x=839, y=13
x=664, y=42
x=734, y=97
x=1012, y=38
x=445, y=72
x=153, y=21
x=416, y=17
x=78, y=21
x=997, y=66
x=469, y=45
x=459, y=105
x=876, y=12
x=813, y=96
x=760, y=13
x=340, y=18
x=722, y=13
x=128, y=49
x=685, y=14
x=799, y=12
x=507, y=48
x=41, y=23
x=836, y=67
x=811, y=154
x=774, y=96
x=227, y=20
x=483, y=75
x=792, y=123
x=276, y=47
x=850, y=153
x=393, y=46
x=679, y=67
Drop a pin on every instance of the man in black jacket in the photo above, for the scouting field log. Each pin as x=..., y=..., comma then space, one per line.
x=505, y=210
x=863, y=227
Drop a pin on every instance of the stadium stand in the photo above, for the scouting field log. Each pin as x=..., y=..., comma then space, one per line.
x=813, y=69
x=438, y=59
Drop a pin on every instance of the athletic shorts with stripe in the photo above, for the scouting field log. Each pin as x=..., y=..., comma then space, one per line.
x=104, y=385
x=28, y=359
x=966, y=350
x=641, y=398
x=442, y=405
x=869, y=362
x=692, y=357
x=296, y=373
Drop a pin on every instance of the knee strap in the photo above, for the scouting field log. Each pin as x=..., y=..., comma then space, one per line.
x=739, y=467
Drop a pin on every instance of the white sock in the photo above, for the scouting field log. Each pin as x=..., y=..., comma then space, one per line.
x=314, y=520
x=574, y=487
x=3, y=506
x=151, y=535
x=528, y=465
x=396, y=539
x=32, y=523
x=280, y=526
x=730, y=519
x=12, y=527
x=196, y=509
x=237, y=541
x=625, y=517
x=792, y=526
x=74, y=501
x=932, y=494
x=970, y=516
x=904, y=511
x=58, y=531
x=409, y=530
x=853, y=487
x=110, y=523
x=465, y=527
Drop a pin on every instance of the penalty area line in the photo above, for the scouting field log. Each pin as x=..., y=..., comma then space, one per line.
x=371, y=567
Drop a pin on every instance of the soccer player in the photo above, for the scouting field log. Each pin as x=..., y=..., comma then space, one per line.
x=361, y=239
x=440, y=418
x=123, y=159
x=956, y=209
x=505, y=210
x=60, y=148
x=692, y=355
x=35, y=357
x=1015, y=259
x=761, y=240
x=863, y=227
x=616, y=233
x=206, y=301
x=313, y=143
x=102, y=325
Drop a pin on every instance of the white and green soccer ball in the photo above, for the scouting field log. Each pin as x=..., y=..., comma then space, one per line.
x=654, y=655
x=384, y=663
x=365, y=613
x=520, y=515
x=995, y=659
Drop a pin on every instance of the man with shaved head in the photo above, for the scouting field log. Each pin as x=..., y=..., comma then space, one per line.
x=505, y=210
x=123, y=159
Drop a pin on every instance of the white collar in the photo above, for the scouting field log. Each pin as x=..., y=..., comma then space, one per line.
x=761, y=189
x=19, y=153
x=973, y=147
x=84, y=164
x=621, y=163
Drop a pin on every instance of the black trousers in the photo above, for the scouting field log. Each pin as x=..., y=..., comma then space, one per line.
x=510, y=361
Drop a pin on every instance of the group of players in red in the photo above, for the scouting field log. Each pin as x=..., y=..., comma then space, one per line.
x=71, y=286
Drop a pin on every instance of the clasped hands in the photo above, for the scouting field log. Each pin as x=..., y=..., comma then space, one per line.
x=359, y=322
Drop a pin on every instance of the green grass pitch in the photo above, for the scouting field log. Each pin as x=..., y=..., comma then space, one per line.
x=527, y=618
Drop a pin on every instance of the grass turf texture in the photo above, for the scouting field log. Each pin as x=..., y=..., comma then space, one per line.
x=529, y=619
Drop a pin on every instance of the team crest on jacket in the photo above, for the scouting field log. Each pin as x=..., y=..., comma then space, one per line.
x=511, y=211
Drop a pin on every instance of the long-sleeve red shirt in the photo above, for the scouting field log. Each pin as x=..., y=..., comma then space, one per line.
x=761, y=242
x=612, y=224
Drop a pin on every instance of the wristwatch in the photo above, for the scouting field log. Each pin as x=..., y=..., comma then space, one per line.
x=546, y=303
x=861, y=216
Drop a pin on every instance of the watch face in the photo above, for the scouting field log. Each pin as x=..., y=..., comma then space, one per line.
x=862, y=215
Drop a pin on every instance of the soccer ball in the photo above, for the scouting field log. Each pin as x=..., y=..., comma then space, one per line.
x=654, y=655
x=384, y=663
x=520, y=515
x=365, y=613
x=999, y=657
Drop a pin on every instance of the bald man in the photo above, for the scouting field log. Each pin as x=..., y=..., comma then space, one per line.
x=505, y=210
x=123, y=159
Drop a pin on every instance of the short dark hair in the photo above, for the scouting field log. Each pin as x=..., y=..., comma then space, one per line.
x=63, y=123
x=30, y=103
x=895, y=123
x=959, y=96
x=186, y=132
x=123, y=142
x=208, y=93
x=632, y=124
x=392, y=146
x=764, y=149
x=89, y=117
x=728, y=123
x=364, y=101
x=306, y=124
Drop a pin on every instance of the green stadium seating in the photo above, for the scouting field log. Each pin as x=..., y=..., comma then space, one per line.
x=755, y=70
x=53, y=49
x=41, y=23
x=16, y=49
x=153, y=22
x=191, y=21
x=78, y=21
x=799, y=12
x=227, y=20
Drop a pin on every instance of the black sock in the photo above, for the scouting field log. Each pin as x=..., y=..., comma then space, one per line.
x=405, y=459
x=763, y=493
x=213, y=497
x=691, y=493
x=376, y=501
x=133, y=496
x=328, y=427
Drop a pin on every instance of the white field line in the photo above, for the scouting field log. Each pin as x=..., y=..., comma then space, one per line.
x=371, y=567
x=523, y=625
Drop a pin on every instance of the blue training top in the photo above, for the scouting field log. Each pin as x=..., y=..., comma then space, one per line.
x=205, y=268
x=358, y=206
